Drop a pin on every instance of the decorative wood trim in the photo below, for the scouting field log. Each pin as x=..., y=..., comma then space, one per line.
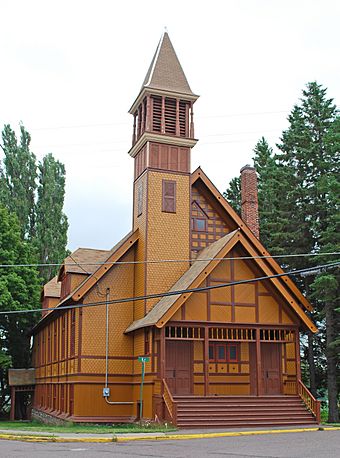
x=199, y=174
x=80, y=336
x=258, y=364
x=297, y=355
x=93, y=279
x=145, y=266
x=257, y=313
x=232, y=276
x=161, y=138
x=206, y=362
x=198, y=280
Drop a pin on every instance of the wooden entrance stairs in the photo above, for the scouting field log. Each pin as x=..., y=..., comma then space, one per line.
x=240, y=411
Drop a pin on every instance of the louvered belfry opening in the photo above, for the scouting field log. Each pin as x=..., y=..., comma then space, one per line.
x=162, y=115
x=156, y=113
x=183, y=118
x=170, y=116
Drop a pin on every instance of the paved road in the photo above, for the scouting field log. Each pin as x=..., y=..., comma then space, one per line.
x=325, y=444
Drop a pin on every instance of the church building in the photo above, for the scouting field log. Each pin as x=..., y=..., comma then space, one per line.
x=191, y=289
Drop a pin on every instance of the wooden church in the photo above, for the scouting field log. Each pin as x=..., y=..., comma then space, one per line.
x=216, y=355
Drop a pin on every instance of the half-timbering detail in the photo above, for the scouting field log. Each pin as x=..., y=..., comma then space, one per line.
x=219, y=337
x=207, y=225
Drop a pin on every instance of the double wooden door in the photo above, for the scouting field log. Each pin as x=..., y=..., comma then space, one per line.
x=271, y=368
x=179, y=366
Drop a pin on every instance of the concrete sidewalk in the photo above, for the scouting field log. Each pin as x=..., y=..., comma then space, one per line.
x=37, y=436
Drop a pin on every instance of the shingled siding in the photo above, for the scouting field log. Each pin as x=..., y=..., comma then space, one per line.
x=168, y=233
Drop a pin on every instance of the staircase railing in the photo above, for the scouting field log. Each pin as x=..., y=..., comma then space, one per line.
x=169, y=402
x=309, y=400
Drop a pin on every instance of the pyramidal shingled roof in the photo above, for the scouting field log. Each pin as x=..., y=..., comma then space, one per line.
x=165, y=71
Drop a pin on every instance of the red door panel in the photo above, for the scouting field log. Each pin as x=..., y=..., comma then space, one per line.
x=178, y=367
x=271, y=372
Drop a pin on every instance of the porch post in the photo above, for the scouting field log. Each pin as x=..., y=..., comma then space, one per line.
x=258, y=364
x=297, y=354
x=12, y=414
x=162, y=353
x=206, y=361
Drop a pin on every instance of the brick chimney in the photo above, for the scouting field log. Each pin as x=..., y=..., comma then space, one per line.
x=249, y=201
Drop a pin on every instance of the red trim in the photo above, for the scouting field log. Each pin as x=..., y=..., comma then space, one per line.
x=227, y=359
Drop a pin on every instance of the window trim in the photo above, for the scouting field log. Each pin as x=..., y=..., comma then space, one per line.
x=227, y=346
x=140, y=192
x=164, y=196
x=194, y=224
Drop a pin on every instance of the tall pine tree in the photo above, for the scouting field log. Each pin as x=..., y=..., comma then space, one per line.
x=51, y=226
x=299, y=212
x=18, y=178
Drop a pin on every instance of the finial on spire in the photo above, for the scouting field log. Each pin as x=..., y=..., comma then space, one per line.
x=165, y=29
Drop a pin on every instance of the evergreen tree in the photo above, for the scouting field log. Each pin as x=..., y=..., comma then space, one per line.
x=52, y=225
x=18, y=179
x=310, y=149
x=233, y=194
x=35, y=193
x=299, y=213
x=272, y=215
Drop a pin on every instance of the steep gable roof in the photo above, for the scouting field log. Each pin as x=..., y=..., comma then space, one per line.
x=165, y=71
x=196, y=273
x=200, y=269
x=115, y=254
x=199, y=176
x=52, y=288
x=84, y=261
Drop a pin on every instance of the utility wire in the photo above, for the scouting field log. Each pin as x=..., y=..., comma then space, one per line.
x=174, y=293
x=123, y=141
x=161, y=261
x=117, y=123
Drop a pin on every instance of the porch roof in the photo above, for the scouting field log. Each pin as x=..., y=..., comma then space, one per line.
x=195, y=276
x=201, y=263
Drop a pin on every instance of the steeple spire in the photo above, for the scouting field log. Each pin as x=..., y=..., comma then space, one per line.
x=163, y=111
x=165, y=71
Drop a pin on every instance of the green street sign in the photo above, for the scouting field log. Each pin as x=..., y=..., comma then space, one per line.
x=143, y=359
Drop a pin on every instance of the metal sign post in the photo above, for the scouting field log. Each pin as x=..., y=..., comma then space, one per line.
x=143, y=360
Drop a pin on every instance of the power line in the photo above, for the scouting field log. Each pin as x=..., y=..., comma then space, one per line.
x=160, y=261
x=173, y=293
x=116, y=123
x=123, y=141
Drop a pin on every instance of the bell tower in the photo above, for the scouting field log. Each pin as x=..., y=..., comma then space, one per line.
x=162, y=138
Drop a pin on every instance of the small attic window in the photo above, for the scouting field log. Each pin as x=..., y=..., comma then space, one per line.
x=199, y=224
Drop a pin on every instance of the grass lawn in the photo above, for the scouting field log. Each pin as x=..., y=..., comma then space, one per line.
x=83, y=428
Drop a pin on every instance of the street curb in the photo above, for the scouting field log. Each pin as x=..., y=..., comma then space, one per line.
x=36, y=438
x=28, y=438
x=223, y=434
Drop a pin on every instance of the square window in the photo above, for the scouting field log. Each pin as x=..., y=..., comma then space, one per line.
x=199, y=224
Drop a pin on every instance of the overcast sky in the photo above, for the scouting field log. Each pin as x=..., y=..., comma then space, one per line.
x=70, y=71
